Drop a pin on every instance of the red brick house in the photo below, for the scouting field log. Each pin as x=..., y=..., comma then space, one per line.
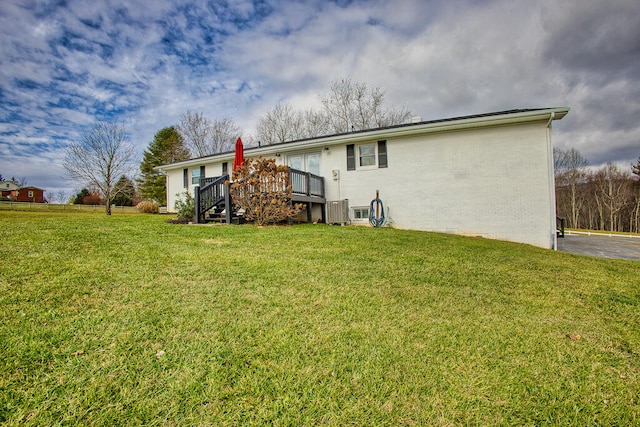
x=29, y=194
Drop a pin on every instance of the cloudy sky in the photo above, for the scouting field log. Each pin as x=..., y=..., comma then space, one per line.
x=65, y=64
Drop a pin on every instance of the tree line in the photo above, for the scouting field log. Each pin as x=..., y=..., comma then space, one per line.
x=606, y=199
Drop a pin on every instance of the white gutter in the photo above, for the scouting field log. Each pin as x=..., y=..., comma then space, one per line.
x=552, y=185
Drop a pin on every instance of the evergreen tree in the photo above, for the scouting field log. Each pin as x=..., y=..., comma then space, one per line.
x=125, y=190
x=167, y=147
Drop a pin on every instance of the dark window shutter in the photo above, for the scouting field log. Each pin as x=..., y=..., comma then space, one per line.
x=185, y=178
x=225, y=168
x=201, y=174
x=351, y=157
x=382, y=154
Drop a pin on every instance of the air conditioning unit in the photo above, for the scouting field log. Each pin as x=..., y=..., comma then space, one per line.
x=338, y=212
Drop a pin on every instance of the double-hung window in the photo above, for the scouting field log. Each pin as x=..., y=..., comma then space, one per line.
x=196, y=174
x=367, y=156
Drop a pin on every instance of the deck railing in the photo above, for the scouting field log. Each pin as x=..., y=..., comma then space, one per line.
x=306, y=183
x=211, y=192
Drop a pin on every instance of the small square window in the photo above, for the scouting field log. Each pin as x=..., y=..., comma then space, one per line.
x=360, y=213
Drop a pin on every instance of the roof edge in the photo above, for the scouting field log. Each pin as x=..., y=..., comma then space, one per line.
x=401, y=130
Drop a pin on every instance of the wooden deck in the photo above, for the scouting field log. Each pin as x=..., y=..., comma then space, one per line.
x=213, y=195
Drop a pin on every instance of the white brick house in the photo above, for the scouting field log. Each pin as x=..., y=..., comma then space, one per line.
x=487, y=175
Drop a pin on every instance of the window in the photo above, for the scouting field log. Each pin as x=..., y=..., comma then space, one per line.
x=225, y=168
x=369, y=155
x=296, y=162
x=313, y=163
x=30, y=193
x=185, y=178
x=196, y=174
x=360, y=212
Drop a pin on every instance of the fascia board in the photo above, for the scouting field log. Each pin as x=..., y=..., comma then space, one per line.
x=419, y=129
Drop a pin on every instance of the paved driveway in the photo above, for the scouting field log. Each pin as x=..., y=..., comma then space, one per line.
x=601, y=246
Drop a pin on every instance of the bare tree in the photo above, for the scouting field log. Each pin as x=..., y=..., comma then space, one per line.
x=102, y=155
x=204, y=137
x=195, y=128
x=635, y=213
x=278, y=125
x=349, y=106
x=635, y=222
x=313, y=123
x=284, y=123
x=354, y=106
x=61, y=196
x=224, y=134
x=558, y=160
x=571, y=174
x=612, y=194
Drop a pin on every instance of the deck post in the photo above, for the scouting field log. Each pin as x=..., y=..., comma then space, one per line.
x=227, y=202
x=309, y=218
x=196, y=202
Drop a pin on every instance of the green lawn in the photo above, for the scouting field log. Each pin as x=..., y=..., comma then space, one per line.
x=128, y=320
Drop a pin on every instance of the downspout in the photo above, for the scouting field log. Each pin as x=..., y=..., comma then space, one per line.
x=552, y=185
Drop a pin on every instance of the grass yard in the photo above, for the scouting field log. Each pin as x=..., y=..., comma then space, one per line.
x=128, y=320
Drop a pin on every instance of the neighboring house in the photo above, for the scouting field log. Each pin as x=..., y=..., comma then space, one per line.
x=30, y=194
x=14, y=192
x=7, y=188
x=488, y=175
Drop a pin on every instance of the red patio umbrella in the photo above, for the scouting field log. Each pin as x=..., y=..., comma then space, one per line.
x=239, y=158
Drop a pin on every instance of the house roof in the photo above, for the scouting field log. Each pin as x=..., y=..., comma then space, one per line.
x=12, y=185
x=405, y=129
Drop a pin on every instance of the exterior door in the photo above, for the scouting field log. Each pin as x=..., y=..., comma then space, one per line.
x=308, y=162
